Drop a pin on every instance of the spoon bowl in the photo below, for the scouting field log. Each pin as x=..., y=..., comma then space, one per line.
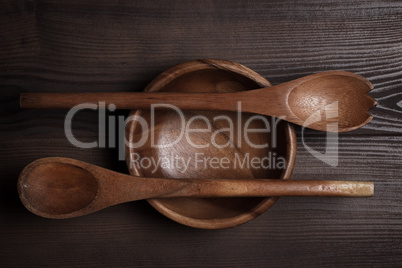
x=340, y=101
x=56, y=188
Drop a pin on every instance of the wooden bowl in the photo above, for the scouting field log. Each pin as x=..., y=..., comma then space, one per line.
x=163, y=128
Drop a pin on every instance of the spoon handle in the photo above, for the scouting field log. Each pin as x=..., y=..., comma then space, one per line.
x=130, y=100
x=268, y=187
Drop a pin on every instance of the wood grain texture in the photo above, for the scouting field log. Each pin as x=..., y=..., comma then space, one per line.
x=75, y=46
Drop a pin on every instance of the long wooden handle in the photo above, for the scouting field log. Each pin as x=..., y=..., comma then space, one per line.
x=128, y=188
x=129, y=100
x=264, y=187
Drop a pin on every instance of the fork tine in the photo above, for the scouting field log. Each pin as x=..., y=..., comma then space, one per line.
x=373, y=102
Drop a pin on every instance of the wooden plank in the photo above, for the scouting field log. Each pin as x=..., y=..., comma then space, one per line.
x=72, y=52
x=338, y=230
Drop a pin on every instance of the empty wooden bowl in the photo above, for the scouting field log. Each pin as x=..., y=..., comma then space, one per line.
x=203, y=150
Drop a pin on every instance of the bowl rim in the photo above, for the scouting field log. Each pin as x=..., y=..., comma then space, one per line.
x=169, y=75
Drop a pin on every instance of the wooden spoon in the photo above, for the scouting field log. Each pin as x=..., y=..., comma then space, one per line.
x=342, y=96
x=64, y=188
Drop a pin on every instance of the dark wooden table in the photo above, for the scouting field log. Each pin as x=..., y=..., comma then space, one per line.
x=76, y=46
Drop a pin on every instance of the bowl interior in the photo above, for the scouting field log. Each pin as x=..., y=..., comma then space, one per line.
x=209, y=144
